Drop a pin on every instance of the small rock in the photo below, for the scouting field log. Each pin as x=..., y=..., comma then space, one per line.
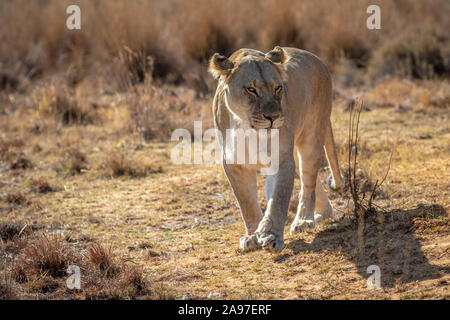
x=152, y=253
x=425, y=136
x=186, y=296
x=196, y=223
x=402, y=108
x=214, y=295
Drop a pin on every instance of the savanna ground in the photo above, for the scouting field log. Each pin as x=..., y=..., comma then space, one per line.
x=86, y=176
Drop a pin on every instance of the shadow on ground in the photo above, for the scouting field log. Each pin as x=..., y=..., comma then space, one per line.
x=390, y=241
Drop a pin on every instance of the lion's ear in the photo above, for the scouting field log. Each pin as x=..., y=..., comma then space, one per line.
x=277, y=55
x=220, y=66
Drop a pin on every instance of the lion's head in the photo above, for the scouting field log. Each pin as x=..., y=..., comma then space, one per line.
x=253, y=85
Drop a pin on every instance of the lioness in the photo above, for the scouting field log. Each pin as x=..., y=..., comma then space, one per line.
x=287, y=89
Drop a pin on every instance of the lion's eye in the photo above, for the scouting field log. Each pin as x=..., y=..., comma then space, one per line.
x=278, y=89
x=251, y=90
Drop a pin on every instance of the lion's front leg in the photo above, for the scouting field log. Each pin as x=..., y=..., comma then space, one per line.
x=271, y=228
x=243, y=183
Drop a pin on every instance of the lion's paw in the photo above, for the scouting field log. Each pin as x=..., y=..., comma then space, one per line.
x=318, y=217
x=271, y=242
x=249, y=243
x=301, y=225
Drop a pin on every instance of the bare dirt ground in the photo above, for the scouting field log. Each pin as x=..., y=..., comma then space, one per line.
x=100, y=183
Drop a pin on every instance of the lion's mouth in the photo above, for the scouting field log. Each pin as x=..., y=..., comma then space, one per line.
x=266, y=123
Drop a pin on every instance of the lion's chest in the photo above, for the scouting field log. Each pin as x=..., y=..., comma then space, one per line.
x=258, y=149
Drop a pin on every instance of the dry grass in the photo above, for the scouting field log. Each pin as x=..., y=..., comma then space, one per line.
x=151, y=109
x=9, y=230
x=16, y=198
x=48, y=255
x=6, y=289
x=73, y=161
x=180, y=227
x=20, y=162
x=41, y=185
x=103, y=259
x=82, y=114
x=64, y=107
x=129, y=43
x=117, y=164
x=39, y=267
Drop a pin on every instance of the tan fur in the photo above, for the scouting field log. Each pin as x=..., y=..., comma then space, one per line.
x=302, y=115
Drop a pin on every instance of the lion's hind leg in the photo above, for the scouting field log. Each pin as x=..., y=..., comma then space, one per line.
x=323, y=209
x=309, y=164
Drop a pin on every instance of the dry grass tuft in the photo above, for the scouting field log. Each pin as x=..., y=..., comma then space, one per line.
x=40, y=185
x=7, y=291
x=8, y=82
x=103, y=259
x=15, y=245
x=9, y=230
x=133, y=282
x=64, y=107
x=74, y=161
x=43, y=284
x=139, y=65
x=49, y=255
x=19, y=273
x=20, y=162
x=118, y=164
x=17, y=198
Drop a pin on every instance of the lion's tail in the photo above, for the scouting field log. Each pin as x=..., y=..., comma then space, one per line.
x=335, y=180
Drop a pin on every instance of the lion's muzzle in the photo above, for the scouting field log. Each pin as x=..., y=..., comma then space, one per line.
x=271, y=116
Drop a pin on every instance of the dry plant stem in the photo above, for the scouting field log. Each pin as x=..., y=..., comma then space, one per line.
x=361, y=204
x=380, y=237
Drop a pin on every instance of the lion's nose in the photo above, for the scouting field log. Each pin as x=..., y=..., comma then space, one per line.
x=271, y=112
x=272, y=116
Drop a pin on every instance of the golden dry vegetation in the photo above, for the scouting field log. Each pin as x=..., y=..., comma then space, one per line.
x=86, y=176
